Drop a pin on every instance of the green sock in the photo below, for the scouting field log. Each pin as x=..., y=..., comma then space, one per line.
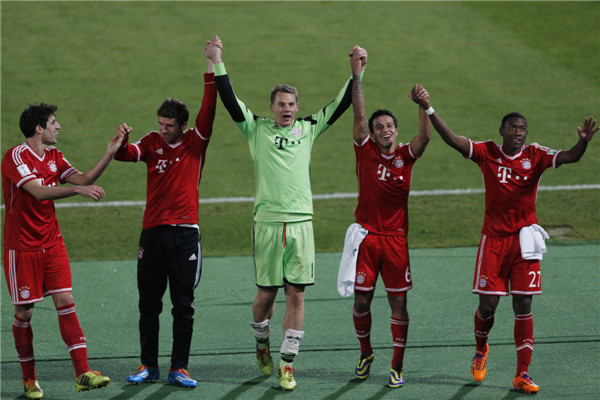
x=262, y=343
x=287, y=358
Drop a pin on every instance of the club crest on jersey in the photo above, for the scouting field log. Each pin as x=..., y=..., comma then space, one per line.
x=24, y=292
x=52, y=166
x=526, y=163
x=141, y=253
x=398, y=162
x=296, y=132
x=360, y=278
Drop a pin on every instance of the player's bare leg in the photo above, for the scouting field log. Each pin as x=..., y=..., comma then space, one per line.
x=263, y=305
x=294, y=312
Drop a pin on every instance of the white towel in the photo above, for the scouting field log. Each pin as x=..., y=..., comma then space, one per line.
x=532, y=243
x=354, y=236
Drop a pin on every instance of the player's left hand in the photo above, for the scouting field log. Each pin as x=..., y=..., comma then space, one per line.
x=420, y=95
x=122, y=132
x=358, y=59
x=589, y=128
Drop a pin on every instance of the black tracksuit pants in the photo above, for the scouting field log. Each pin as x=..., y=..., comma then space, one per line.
x=170, y=254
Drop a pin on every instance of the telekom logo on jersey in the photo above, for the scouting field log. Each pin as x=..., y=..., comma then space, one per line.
x=505, y=173
x=383, y=172
x=162, y=165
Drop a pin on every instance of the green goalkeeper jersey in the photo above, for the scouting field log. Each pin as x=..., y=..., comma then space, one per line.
x=281, y=155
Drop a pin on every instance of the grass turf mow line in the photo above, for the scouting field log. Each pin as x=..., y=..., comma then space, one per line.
x=219, y=200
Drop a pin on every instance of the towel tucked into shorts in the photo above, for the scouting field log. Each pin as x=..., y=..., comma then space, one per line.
x=354, y=236
x=532, y=242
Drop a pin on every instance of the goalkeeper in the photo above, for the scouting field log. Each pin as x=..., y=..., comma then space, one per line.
x=282, y=233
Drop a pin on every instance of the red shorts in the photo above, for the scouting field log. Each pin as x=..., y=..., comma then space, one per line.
x=386, y=254
x=31, y=275
x=499, y=263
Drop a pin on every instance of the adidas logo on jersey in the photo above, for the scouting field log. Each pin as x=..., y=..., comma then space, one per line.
x=159, y=151
x=193, y=257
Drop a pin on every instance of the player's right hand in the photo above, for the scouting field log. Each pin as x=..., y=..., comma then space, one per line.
x=92, y=191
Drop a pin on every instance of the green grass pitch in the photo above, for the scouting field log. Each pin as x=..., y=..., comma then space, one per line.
x=439, y=349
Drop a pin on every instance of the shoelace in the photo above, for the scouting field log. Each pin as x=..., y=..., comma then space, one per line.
x=478, y=361
x=527, y=378
x=183, y=371
x=29, y=383
x=288, y=369
x=262, y=353
x=362, y=362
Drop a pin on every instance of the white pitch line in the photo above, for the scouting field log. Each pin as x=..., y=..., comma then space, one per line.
x=219, y=200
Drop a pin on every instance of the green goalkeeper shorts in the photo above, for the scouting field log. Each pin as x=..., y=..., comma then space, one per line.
x=283, y=251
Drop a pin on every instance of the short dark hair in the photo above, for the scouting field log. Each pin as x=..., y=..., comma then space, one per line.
x=35, y=115
x=285, y=89
x=512, y=115
x=174, y=108
x=379, y=113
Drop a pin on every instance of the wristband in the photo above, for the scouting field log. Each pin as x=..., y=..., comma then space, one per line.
x=429, y=111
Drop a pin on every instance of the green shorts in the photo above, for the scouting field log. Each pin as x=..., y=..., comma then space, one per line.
x=283, y=251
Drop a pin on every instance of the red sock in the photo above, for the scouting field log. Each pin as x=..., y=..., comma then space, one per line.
x=482, y=330
x=523, y=341
x=399, y=333
x=362, y=325
x=23, y=335
x=71, y=332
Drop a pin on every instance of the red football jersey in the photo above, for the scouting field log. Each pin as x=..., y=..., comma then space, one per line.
x=31, y=224
x=511, y=184
x=383, y=187
x=174, y=170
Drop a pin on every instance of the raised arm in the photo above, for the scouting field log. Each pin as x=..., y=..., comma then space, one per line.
x=585, y=135
x=216, y=41
x=89, y=177
x=231, y=103
x=341, y=103
x=420, y=96
x=332, y=111
x=206, y=115
x=358, y=64
x=419, y=142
